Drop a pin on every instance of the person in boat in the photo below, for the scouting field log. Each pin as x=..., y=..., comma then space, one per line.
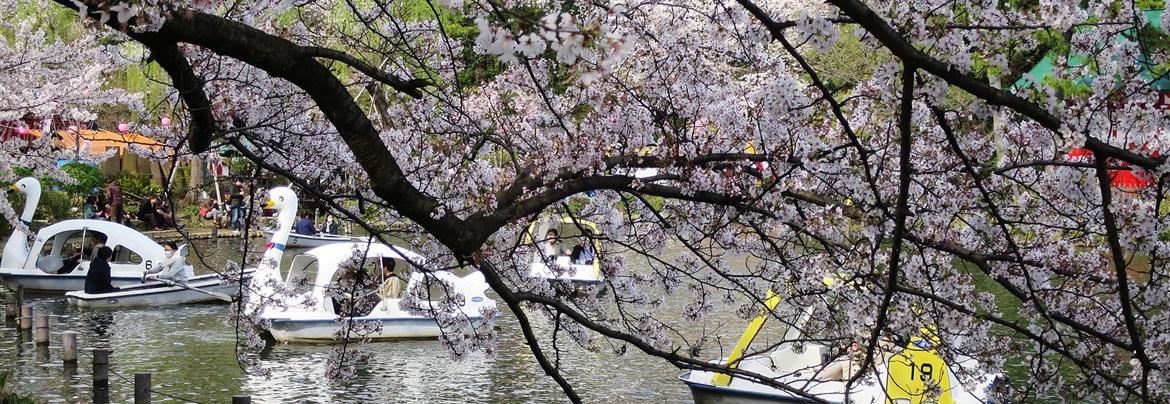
x=583, y=252
x=552, y=245
x=171, y=267
x=391, y=283
x=99, y=241
x=72, y=259
x=844, y=366
x=98, y=279
x=305, y=225
x=330, y=225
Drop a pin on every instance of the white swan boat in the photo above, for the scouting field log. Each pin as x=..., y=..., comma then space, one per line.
x=301, y=306
x=311, y=241
x=58, y=258
x=555, y=262
x=914, y=374
x=317, y=321
x=153, y=293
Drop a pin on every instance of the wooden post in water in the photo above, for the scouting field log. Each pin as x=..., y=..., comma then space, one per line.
x=69, y=346
x=241, y=399
x=41, y=329
x=25, y=319
x=101, y=367
x=101, y=376
x=11, y=309
x=142, y=388
x=20, y=295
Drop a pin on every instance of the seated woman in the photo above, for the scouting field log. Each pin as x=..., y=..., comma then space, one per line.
x=162, y=214
x=146, y=212
x=171, y=267
x=91, y=209
x=98, y=279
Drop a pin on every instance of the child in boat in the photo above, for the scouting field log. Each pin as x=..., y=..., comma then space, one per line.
x=171, y=267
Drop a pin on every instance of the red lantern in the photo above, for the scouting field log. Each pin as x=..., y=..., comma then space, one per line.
x=166, y=121
x=122, y=127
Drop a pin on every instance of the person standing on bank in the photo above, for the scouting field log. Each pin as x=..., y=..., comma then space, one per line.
x=236, y=204
x=98, y=279
x=114, y=190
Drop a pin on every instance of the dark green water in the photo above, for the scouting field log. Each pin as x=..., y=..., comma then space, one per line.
x=190, y=352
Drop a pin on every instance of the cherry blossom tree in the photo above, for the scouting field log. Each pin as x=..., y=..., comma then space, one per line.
x=929, y=189
x=50, y=71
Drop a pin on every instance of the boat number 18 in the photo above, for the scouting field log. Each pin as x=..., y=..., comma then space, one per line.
x=925, y=372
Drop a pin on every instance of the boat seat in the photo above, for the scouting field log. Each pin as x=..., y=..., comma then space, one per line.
x=785, y=360
x=188, y=269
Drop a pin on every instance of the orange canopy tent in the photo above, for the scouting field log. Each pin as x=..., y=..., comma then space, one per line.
x=100, y=140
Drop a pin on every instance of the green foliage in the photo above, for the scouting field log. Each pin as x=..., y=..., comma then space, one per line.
x=88, y=178
x=846, y=63
x=6, y=394
x=54, y=207
x=136, y=186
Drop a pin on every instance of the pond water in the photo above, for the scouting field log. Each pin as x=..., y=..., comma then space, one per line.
x=190, y=352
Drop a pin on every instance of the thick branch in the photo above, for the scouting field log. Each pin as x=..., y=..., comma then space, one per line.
x=408, y=87
x=1118, y=256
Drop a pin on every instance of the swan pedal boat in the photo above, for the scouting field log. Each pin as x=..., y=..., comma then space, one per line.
x=800, y=370
x=134, y=253
x=912, y=374
x=316, y=240
x=319, y=322
x=198, y=289
x=560, y=267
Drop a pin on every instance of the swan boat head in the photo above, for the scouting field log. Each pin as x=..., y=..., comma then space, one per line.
x=267, y=277
x=16, y=249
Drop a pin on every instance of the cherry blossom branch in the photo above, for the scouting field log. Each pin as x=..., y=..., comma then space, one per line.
x=1118, y=257
x=408, y=87
x=901, y=211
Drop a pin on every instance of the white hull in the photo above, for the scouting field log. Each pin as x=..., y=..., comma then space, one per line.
x=798, y=372
x=562, y=270
x=325, y=328
x=36, y=280
x=304, y=241
x=154, y=293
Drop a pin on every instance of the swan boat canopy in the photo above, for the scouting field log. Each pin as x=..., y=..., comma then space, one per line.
x=59, y=256
x=312, y=310
x=552, y=257
x=915, y=374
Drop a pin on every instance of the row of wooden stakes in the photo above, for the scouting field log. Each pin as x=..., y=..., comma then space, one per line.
x=14, y=303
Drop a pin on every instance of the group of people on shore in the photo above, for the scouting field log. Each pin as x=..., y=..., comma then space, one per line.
x=108, y=205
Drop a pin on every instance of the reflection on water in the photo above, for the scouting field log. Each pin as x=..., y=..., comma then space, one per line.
x=190, y=351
